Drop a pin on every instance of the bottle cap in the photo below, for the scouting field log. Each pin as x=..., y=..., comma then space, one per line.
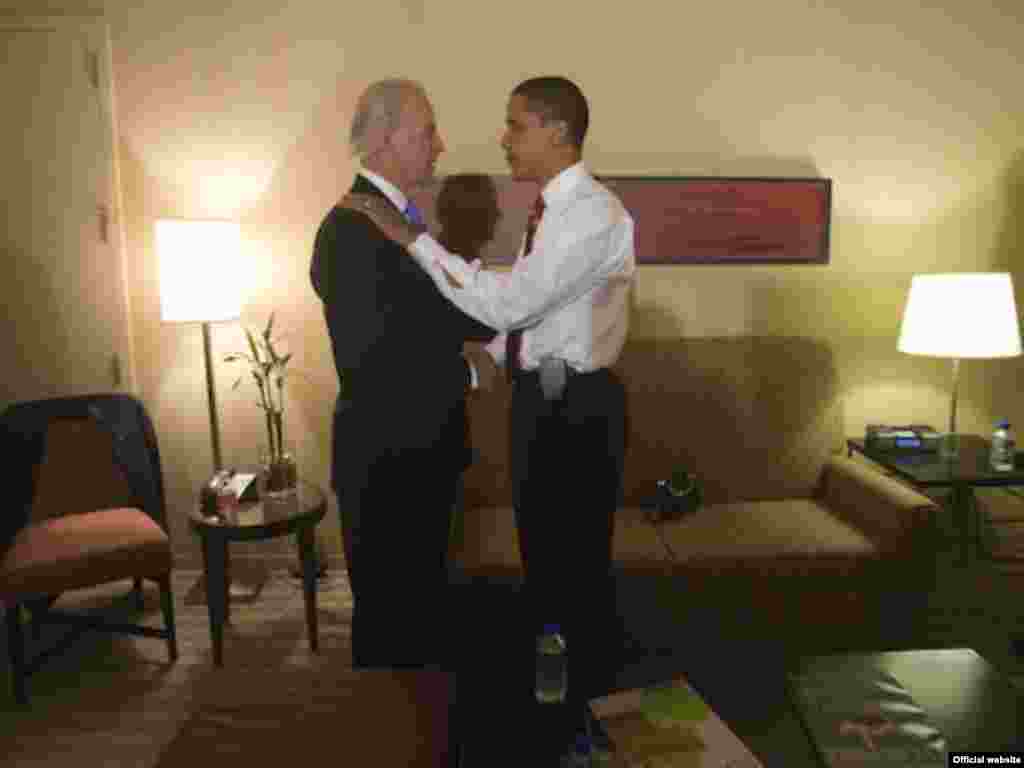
x=1004, y=424
x=552, y=629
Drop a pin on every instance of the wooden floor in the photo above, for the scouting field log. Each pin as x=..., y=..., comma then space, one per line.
x=116, y=701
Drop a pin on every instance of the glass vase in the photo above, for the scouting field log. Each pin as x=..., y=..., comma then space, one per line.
x=278, y=476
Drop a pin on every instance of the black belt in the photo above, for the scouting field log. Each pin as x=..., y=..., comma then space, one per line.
x=534, y=373
x=532, y=378
x=554, y=387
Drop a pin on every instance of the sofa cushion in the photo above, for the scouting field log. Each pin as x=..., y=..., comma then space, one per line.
x=637, y=546
x=489, y=543
x=764, y=535
x=82, y=550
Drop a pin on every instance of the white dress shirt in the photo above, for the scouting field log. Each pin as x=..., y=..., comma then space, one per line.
x=389, y=190
x=570, y=294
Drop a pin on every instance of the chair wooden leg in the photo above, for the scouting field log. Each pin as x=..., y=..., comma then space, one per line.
x=16, y=652
x=167, y=606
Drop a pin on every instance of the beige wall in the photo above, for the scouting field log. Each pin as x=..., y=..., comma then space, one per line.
x=912, y=108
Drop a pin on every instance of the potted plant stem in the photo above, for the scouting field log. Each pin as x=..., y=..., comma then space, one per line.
x=268, y=370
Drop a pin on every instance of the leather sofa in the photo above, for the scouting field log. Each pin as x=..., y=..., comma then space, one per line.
x=791, y=533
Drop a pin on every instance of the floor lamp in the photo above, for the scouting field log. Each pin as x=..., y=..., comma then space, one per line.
x=964, y=315
x=199, y=268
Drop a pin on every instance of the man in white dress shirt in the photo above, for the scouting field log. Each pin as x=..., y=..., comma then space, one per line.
x=567, y=298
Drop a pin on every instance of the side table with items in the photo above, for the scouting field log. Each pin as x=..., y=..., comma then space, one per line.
x=961, y=474
x=296, y=513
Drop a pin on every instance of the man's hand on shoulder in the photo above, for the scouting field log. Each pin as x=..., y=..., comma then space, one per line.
x=383, y=215
x=452, y=280
x=477, y=355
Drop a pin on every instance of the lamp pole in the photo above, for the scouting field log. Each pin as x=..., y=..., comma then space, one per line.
x=211, y=399
x=956, y=387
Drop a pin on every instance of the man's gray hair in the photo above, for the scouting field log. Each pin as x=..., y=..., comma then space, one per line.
x=379, y=107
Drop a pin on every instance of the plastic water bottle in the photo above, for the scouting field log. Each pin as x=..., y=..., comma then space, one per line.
x=552, y=666
x=1004, y=449
x=600, y=754
x=600, y=757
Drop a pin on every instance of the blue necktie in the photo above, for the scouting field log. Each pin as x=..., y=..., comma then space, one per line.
x=412, y=214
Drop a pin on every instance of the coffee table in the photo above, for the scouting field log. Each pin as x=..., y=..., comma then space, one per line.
x=250, y=521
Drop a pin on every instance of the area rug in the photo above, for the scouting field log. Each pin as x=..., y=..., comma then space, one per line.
x=116, y=700
x=251, y=718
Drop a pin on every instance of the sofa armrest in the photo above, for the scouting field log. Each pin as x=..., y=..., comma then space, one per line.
x=888, y=512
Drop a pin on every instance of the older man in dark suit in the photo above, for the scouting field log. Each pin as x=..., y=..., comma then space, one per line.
x=399, y=439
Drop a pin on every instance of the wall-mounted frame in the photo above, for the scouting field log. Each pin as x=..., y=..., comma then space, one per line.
x=679, y=219
x=728, y=220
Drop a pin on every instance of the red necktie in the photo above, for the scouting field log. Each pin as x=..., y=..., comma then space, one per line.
x=514, y=339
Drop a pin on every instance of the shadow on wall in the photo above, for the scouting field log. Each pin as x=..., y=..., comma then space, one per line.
x=1010, y=239
x=796, y=392
x=1009, y=250
x=653, y=321
x=757, y=404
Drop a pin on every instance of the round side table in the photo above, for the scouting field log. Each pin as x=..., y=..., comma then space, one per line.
x=251, y=521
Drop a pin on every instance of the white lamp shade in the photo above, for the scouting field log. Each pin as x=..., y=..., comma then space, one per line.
x=199, y=270
x=961, y=315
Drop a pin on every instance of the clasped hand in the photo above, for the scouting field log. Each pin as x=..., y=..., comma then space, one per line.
x=386, y=217
x=389, y=221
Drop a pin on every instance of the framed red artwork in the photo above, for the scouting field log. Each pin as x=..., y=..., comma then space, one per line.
x=719, y=220
x=679, y=219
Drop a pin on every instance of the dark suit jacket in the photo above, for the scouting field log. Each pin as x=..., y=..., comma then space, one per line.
x=397, y=346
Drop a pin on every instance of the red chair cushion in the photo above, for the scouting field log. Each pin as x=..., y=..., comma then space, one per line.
x=83, y=550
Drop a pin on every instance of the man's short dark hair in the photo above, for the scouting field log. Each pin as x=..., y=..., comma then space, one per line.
x=557, y=98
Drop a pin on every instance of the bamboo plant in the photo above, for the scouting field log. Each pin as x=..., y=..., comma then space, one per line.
x=269, y=370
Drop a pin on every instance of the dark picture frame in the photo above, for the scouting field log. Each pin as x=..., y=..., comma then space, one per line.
x=682, y=219
x=728, y=219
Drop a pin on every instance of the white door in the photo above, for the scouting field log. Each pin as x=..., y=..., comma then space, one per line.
x=64, y=323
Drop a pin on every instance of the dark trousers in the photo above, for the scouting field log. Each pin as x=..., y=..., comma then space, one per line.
x=566, y=462
x=395, y=517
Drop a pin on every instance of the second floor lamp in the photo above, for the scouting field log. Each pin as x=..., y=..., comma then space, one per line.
x=960, y=315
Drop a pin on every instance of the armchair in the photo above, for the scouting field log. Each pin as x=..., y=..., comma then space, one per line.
x=87, y=508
